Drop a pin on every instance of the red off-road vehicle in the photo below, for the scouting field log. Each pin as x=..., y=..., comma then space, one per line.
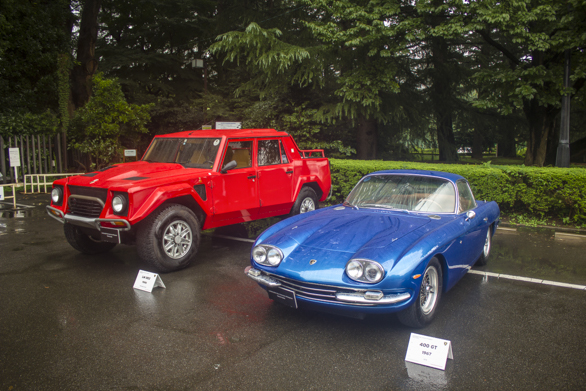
x=187, y=182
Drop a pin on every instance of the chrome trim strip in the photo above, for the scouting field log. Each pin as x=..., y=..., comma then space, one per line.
x=360, y=299
x=334, y=287
x=89, y=222
x=357, y=298
x=262, y=279
x=126, y=223
x=88, y=198
x=308, y=289
x=61, y=220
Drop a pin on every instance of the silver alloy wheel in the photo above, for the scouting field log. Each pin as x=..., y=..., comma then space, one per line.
x=486, y=250
x=177, y=239
x=429, y=290
x=307, y=205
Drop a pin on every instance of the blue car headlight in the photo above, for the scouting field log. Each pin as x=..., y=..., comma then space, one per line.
x=267, y=255
x=365, y=270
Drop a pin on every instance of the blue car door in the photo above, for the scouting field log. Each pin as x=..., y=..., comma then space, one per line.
x=475, y=226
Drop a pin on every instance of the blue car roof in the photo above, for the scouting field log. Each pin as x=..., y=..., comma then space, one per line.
x=446, y=175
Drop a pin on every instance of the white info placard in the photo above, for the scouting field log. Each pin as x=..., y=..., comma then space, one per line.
x=146, y=281
x=429, y=351
x=1, y=193
x=14, y=154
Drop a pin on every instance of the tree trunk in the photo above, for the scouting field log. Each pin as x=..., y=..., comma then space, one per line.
x=507, y=145
x=445, y=137
x=367, y=137
x=87, y=64
x=477, y=144
x=441, y=97
x=541, y=122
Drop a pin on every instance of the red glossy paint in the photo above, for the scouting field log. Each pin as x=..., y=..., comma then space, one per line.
x=264, y=184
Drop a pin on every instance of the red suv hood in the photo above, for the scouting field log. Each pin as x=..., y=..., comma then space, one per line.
x=127, y=174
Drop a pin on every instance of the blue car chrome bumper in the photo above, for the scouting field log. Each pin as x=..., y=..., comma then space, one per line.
x=328, y=294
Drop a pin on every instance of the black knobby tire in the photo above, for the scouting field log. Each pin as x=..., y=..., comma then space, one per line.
x=481, y=261
x=422, y=311
x=306, y=202
x=177, y=249
x=85, y=243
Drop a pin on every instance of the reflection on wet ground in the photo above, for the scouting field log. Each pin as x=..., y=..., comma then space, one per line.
x=523, y=251
x=74, y=321
x=538, y=253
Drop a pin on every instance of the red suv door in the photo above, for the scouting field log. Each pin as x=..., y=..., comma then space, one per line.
x=275, y=178
x=235, y=194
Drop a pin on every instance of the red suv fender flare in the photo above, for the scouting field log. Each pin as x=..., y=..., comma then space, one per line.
x=161, y=195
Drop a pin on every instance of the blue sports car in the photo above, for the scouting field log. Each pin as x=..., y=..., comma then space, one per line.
x=399, y=241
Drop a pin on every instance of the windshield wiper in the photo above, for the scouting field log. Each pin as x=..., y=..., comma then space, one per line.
x=386, y=207
x=350, y=205
x=378, y=206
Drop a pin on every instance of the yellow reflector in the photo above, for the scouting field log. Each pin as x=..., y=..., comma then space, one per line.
x=415, y=277
x=119, y=223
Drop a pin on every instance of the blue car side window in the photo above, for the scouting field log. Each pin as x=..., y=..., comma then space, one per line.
x=465, y=197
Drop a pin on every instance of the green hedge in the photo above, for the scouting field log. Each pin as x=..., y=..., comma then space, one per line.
x=547, y=192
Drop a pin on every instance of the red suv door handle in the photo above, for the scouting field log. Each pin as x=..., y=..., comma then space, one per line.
x=289, y=172
x=252, y=177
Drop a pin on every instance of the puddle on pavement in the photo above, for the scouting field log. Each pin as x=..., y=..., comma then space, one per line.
x=425, y=377
x=538, y=253
x=18, y=214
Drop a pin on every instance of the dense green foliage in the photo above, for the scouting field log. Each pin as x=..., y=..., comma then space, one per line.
x=369, y=79
x=554, y=192
x=32, y=36
x=98, y=126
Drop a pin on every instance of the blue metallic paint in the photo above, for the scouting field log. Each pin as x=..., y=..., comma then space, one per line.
x=402, y=242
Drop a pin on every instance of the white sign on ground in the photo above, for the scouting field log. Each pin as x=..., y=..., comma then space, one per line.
x=429, y=351
x=14, y=154
x=146, y=281
x=1, y=193
x=129, y=152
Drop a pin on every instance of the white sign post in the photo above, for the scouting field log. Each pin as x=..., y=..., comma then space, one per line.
x=1, y=193
x=14, y=154
x=429, y=351
x=130, y=152
x=146, y=281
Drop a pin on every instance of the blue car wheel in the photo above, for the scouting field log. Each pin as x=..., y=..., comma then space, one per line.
x=486, y=249
x=422, y=311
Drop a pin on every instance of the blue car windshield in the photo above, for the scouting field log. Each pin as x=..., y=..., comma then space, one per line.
x=405, y=192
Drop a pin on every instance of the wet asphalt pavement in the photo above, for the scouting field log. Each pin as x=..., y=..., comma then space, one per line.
x=73, y=322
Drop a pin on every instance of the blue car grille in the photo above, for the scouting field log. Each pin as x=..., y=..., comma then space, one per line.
x=319, y=292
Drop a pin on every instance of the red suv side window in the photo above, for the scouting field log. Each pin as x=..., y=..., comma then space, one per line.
x=271, y=152
x=241, y=152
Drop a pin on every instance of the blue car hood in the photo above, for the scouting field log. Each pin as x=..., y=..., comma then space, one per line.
x=350, y=230
x=334, y=236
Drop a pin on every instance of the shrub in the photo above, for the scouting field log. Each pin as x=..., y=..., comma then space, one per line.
x=551, y=192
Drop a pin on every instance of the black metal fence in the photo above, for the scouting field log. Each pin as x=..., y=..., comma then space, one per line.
x=39, y=154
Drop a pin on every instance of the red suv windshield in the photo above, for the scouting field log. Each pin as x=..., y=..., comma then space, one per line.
x=190, y=152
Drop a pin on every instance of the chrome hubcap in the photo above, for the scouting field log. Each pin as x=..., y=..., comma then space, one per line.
x=428, y=292
x=487, y=244
x=307, y=205
x=177, y=239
